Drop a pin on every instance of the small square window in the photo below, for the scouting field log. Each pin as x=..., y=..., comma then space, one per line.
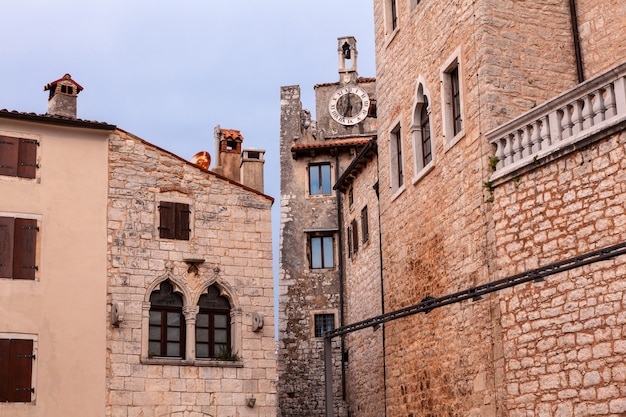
x=324, y=323
x=174, y=220
x=18, y=157
x=321, y=251
x=319, y=179
x=16, y=370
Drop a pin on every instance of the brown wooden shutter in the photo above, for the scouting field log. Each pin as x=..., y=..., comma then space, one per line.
x=7, y=225
x=166, y=223
x=25, y=249
x=20, y=370
x=27, y=158
x=4, y=370
x=8, y=155
x=182, y=221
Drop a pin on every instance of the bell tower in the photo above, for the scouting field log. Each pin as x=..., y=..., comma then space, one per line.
x=347, y=60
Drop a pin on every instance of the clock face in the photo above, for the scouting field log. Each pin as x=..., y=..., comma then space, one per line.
x=349, y=105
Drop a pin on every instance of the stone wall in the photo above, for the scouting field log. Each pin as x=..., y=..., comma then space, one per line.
x=563, y=339
x=231, y=232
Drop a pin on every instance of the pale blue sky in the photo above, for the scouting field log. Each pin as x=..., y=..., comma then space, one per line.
x=169, y=72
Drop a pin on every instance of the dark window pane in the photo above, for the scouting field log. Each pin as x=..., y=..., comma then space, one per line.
x=173, y=319
x=173, y=349
x=326, y=179
x=155, y=333
x=221, y=321
x=202, y=351
x=155, y=317
x=173, y=334
x=202, y=320
x=154, y=349
x=202, y=335
x=221, y=336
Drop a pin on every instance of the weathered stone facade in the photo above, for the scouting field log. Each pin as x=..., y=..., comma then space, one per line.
x=229, y=247
x=305, y=290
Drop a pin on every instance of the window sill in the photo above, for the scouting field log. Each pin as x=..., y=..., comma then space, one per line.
x=449, y=144
x=196, y=362
x=397, y=192
x=391, y=37
x=422, y=173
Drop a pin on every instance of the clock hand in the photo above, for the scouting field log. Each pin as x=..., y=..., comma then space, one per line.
x=348, y=110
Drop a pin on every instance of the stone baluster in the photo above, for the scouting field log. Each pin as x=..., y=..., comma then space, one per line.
x=535, y=137
x=526, y=142
x=508, y=150
x=545, y=132
x=598, y=106
x=609, y=102
x=517, y=145
x=587, y=111
x=577, y=117
x=500, y=145
x=566, y=121
x=620, y=95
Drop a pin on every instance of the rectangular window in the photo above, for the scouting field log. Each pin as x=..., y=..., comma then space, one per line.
x=319, y=179
x=18, y=248
x=455, y=99
x=16, y=370
x=393, y=14
x=397, y=174
x=365, y=225
x=355, y=236
x=324, y=323
x=18, y=157
x=321, y=253
x=350, y=198
x=174, y=220
x=452, y=101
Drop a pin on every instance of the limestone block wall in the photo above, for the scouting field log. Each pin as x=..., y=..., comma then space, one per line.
x=231, y=232
x=363, y=299
x=563, y=339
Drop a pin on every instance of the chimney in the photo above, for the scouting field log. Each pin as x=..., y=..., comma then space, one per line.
x=62, y=100
x=228, y=152
x=252, y=161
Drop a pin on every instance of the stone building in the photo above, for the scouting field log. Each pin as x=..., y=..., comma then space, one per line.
x=500, y=144
x=313, y=154
x=176, y=316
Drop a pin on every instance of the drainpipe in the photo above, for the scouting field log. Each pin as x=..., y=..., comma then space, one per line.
x=576, y=39
x=341, y=267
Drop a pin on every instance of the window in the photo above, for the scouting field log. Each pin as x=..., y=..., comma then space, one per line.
x=421, y=131
x=213, y=325
x=174, y=220
x=452, y=100
x=397, y=174
x=391, y=16
x=167, y=323
x=18, y=248
x=324, y=323
x=18, y=157
x=355, y=236
x=365, y=225
x=321, y=253
x=350, y=198
x=16, y=370
x=319, y=179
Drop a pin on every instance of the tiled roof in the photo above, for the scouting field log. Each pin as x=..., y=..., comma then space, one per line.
x=360, y=80
x=331, y=144
x=66, y=77
x=231, y=134
x=51, y=119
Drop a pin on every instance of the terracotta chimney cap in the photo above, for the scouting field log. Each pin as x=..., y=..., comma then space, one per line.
x=66, y=78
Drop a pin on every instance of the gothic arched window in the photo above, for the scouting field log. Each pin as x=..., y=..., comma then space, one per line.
x=213, y=338
x=167, y=323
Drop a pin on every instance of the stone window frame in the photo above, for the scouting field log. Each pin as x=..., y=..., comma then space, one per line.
x=413, y=4
x=447, y=106
x=35, y=353
x=319, y=194
x=391, y=16
x=422, y=96
x=190, y=312
x=396, y=160
x=314, y=313
x=308, y=250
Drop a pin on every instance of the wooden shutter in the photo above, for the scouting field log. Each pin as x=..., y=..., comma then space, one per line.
x=4, y=370
x=27, y=158
x=25, y=249
x=182, y=221
x=166, y=223
x=7, y=225
x=20, y=370
x=8, y=155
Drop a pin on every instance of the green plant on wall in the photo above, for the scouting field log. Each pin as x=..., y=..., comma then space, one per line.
x=227, y=355
x=493, y=162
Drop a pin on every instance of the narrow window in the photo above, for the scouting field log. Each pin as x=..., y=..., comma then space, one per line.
x=397, y=174
x=213, y=325
x=350, y=197
x=425, y=133
x=16, y=370
x=350, y=243
x=455, y=99
x=365, y=225
x=324, y=323
x=394, y=14
x=452, y=101
x=18, y=157
x=18, y=248
x=319, y=179
x=355, y=236
x=174, y=220
x=391, y=16
x=321, y=253
x=167, y=323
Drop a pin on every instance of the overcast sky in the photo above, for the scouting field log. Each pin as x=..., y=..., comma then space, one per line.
x=170, y=71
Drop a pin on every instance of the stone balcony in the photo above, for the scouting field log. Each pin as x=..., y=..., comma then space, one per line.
x=587, y=113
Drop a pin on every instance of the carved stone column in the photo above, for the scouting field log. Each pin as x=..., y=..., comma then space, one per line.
x=190, y=312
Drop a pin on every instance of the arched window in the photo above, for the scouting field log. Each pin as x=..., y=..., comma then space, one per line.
x=421, y=132
x=167, y=323
x=213, y=339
